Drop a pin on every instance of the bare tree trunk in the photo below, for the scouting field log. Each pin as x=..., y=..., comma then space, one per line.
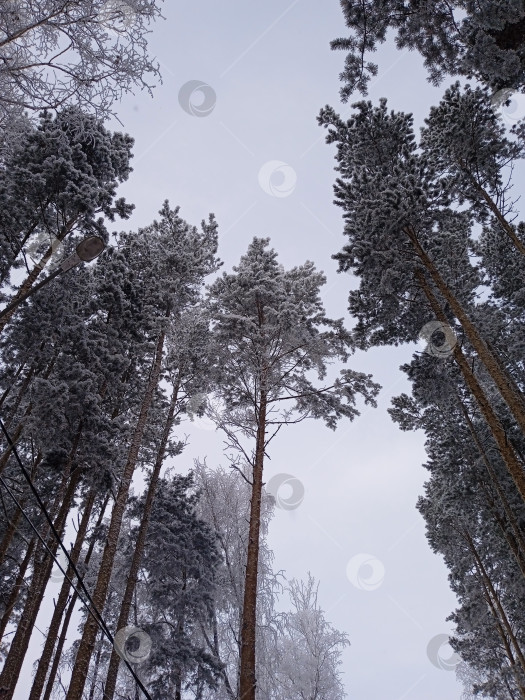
x=111, y=678
x=6, y=541
x=54, y=626
x=20, y=396
x=60, y=647
x=505, y=643
x=29, y=375
x=96, y=666
x=33, y=275
x=13, y=524
x=518, y=534
x=498, y=432
x=41, y=573
x=505, y=225
x=514, y=401
x=247, y=679
x=180, y=630
x=71, y=607
x=18, y=246
x=496, y=603
x=85, y=650
x=18, y=432
x=15, y=592
x=11, y=530
x=214, y=648
x=15, y=437
x=11, y=386
x=503, y=525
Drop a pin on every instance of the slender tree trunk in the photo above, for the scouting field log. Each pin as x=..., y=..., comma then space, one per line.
x=71, y=607
x=18, y=432
x=505, y=643
x=518, y=534
x=35, y=272
x=60, y=647
x=15, y=437
x=85, y=650
x=247, y=679
x=96, y=666
x=180, y=630
x=20, y=395
x=111, y=678
x=16, y=375
x=213, y=646
x=17, y=247
x=503, y=525
x=514, y=401
x=493, y=422
x=15, y=592
x=54, y=626
x=13, y=524
x=494, y=597
x=11, y=530
x=41, y=573
x=505, y=225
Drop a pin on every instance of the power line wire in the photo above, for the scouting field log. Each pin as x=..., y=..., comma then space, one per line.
x=91, y=608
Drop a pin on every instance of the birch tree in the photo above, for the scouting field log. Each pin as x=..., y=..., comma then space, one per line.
x=225, y=505
x=308, y=648
x=59, y=52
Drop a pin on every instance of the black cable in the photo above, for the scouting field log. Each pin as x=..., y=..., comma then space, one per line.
x=100, y=621
x=94, y=612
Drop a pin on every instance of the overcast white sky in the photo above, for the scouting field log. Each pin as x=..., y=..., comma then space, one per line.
x=271, y=69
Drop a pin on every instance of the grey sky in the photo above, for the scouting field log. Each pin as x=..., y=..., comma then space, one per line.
x=271, y=69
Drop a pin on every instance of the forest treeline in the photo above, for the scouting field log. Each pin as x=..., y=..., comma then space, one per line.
x=166, y=576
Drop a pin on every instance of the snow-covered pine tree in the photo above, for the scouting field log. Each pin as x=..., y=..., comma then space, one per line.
x=484, y=39
x=411, y=250
x=58, y=180
x=177, y=590
x=465, y=140
x=185, y=370
x=271, y=333
x=65, y=425
x=484, y=578
x=470, y=495
x=168, y=262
